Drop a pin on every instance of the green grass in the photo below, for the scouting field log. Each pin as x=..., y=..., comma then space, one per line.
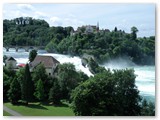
x=34, y=109
x=6, y=113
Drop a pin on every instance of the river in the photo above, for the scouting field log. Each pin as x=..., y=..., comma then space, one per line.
x=145, y=75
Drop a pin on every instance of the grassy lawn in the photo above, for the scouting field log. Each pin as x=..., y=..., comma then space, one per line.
x=6, y=113
x=34, y=109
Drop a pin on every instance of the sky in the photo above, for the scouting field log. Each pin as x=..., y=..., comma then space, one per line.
x=123, y=16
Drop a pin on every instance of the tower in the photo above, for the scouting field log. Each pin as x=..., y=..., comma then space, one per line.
x=97, y=26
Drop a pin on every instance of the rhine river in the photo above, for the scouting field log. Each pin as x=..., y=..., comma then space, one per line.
x=145, y=75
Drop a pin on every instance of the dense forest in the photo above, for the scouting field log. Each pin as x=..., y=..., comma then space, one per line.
x=103, y=45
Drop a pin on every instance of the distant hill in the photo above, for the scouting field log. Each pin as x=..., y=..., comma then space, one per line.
x=103, y=45
x=29, y=31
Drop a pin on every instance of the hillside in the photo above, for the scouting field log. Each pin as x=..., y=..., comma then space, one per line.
x=103, y=45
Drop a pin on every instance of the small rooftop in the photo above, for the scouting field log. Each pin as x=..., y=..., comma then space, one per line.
x=48, y=61
x=10, y=58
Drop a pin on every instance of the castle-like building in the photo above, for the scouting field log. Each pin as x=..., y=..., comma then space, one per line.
x=86, y=29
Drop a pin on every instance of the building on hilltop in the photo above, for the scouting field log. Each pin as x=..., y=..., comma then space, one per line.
x=49, y=63
x=86, y=29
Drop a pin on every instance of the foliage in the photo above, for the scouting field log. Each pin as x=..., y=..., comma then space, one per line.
x=103, y=45
x=55, y=93
x=8, y=76
x=134, y=30
x=14, y=93
x=94, y=67
x=24, y=31
x=148, y=109
x=6, y=86
x=82, y=76
x=39, y=73
x=27, y=86
x=4, y=58
x=20, y=76
x=107, y=93
x=68, y=78
x=39, y=92
x=32, y=55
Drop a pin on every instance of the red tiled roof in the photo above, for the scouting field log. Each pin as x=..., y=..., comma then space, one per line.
x=21, y=65
x=47, y=61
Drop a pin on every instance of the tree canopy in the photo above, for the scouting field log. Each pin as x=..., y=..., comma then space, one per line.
x=32, y=55
x=103, y=44
x=107, y=93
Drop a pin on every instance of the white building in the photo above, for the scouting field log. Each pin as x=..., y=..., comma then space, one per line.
x=11, y=63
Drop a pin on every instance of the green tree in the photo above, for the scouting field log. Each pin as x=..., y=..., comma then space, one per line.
x=20, y=76
x=115, y=29
x=51, y=47
x=83, y=77
x=39, y=73
x=4, y=58
x=68, y=78
x=126, y=92
x=27, y=86
x=106, y=94
x=32, y=55
x=39, y=92
x=148, y=109
x=6, y=86
x=55, y=93
x=134, y=31
x=103, y=45
x=14, y=93
x=8, y=76
x=94, y=67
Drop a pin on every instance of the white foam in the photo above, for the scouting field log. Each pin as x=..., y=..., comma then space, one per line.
x=145, y=75
x=74, y=60
x=145, y=79
x=21, y=60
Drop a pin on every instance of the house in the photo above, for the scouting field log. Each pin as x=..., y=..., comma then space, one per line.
x=11, y=63
x=86, y=29
x=89, y=29
x=49, y=63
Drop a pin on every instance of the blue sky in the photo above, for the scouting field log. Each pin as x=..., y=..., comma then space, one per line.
x=123, y=16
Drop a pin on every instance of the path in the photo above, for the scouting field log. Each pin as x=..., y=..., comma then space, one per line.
x=12, y=112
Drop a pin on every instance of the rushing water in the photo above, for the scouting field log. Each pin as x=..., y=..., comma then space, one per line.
x=145, y=76
x=145, y=79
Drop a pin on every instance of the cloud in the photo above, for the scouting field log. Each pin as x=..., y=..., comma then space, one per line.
x=69, y=21
x=40, y=15
x=73, y=22
x=14, y=14
x=122, y=16
x=26, y=7
x=55, y=21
